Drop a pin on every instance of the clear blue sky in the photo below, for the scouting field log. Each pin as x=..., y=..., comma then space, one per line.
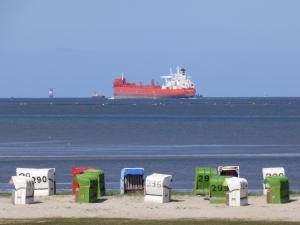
x=230, y=48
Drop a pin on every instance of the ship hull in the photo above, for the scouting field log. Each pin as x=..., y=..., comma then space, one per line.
x=98, y=97
x=133, y=96
x=149, y=93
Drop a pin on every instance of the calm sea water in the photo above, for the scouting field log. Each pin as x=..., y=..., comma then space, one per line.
x=167, y=136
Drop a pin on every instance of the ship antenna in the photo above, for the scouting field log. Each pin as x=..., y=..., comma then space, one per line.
x=171, y=72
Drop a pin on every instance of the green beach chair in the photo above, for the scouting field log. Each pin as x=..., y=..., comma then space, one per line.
x=277, y=189
x=218, y=189
x=87, y=191
x=202, y=179
x=100, y=178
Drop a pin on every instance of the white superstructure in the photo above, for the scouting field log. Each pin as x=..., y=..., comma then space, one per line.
x=178, y=80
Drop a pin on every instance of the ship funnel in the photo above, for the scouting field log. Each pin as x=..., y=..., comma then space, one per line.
x=182, y=71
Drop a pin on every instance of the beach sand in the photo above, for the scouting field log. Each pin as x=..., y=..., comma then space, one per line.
x=193, y=207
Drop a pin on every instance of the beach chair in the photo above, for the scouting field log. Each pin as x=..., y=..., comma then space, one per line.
x=158, y=188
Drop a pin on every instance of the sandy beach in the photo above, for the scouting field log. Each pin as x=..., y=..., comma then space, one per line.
x=192, y=207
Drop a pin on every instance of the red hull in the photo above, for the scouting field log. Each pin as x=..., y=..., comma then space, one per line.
x=123, y=90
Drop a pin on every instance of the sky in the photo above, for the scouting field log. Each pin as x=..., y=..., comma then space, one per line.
x=230, y=48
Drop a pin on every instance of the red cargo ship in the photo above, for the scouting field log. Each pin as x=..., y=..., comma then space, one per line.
x=177, y=85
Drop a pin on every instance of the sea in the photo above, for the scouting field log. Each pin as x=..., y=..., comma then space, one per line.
x=163, y=136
